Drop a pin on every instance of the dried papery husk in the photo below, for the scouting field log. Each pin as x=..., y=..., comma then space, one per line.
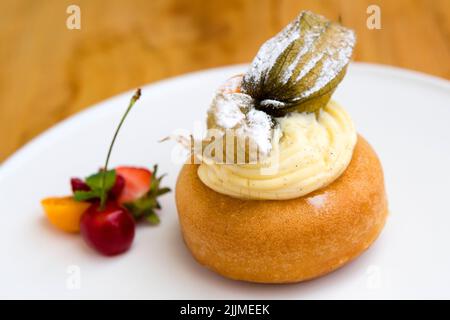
x=299, y=68
x=245, y=131
x=296, y=71
x=226, y=148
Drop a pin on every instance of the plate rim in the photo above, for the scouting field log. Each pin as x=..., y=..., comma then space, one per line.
x=13, y=161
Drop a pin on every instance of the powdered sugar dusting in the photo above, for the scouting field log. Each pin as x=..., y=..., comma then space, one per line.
x=309, y=38
x=272, y=103
x=228, y=109
x=333, y=59
x=231, y=110
x=318, y=201
x=258, y=128
x=270, y=51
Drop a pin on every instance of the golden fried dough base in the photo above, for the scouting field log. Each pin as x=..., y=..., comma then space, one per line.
x=284, y=241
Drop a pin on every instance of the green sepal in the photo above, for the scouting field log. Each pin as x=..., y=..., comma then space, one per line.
x=153, y=218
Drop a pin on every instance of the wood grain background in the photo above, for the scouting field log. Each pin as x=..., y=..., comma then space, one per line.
x=48, y=72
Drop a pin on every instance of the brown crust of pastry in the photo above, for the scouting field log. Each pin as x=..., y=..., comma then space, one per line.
x=285, y=241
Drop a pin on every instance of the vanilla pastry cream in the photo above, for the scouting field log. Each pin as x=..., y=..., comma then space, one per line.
x=312, y=151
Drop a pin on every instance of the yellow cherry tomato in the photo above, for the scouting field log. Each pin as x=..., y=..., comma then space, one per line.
x=64, y=212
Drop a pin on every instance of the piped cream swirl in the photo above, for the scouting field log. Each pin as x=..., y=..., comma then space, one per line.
x=312, y=151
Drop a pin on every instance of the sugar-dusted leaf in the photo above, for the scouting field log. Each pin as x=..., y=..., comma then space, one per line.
x=299, y=68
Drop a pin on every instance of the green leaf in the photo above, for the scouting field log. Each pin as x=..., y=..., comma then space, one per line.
x=153, y=218
x=299, y=68
x=95, y=181
x=86, y=195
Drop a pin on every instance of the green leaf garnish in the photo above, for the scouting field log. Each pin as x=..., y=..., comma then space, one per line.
x=86, y=195
x=95, y=181
x=299, y=68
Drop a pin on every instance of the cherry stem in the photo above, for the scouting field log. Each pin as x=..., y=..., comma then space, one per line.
x=133, y=100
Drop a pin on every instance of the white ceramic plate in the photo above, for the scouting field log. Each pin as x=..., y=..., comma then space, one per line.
x=404, y=115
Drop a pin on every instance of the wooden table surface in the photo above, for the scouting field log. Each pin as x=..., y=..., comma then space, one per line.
x=48, y=72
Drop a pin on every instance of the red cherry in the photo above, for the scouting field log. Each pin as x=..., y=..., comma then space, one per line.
x=78, y=185
x=117, y=188
x=109, y=231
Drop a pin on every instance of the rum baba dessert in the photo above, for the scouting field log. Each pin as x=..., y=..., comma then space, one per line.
x=282, y=188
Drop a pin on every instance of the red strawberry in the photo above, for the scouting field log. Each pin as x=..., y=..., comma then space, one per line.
x=137, y=183
x=141, y=192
